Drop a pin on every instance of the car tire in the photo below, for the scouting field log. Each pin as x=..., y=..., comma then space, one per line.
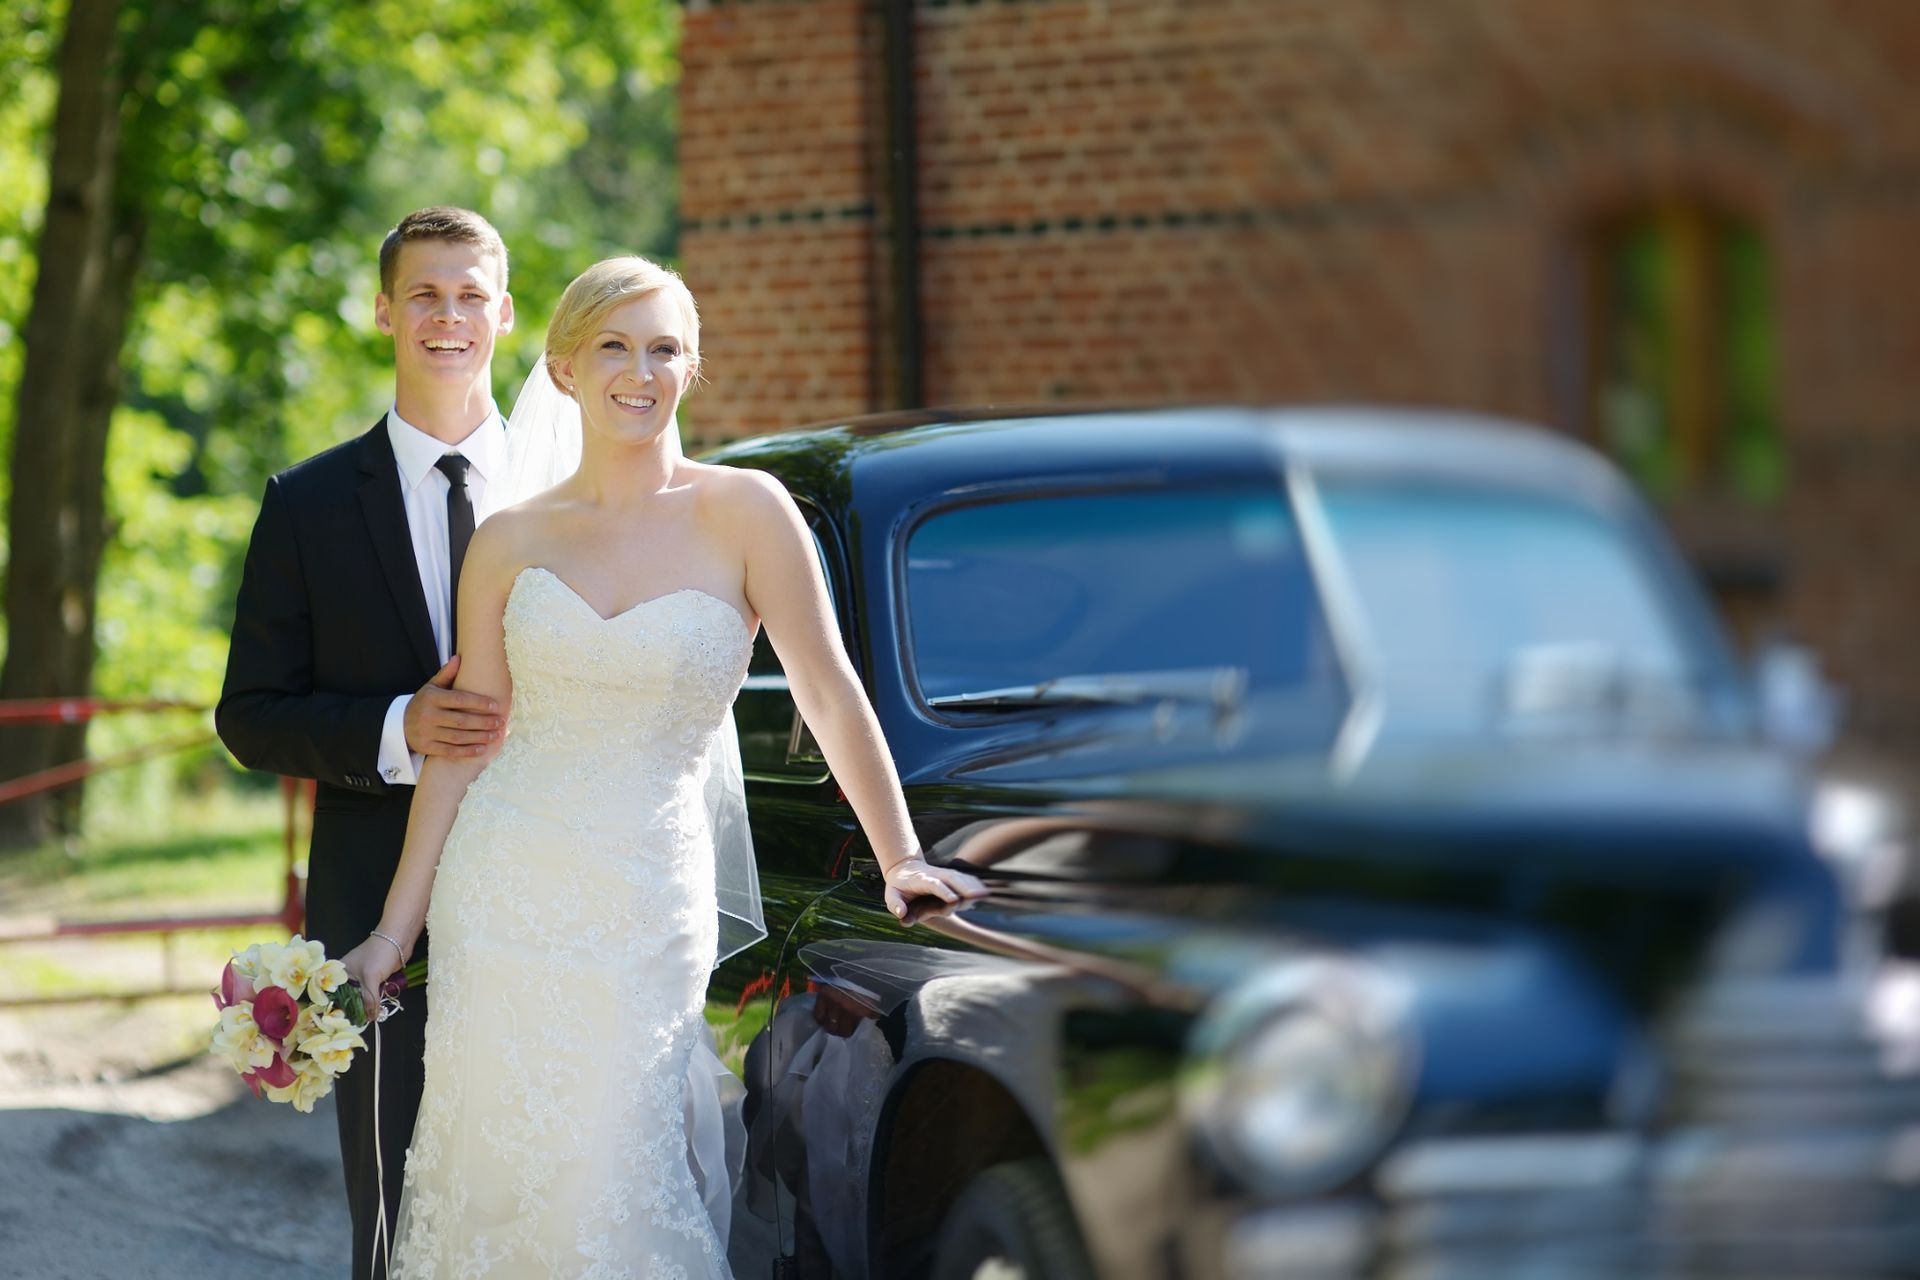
x=1011, y=1222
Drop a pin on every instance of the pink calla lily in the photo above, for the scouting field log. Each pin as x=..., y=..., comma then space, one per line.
x=233, y=988
x=275, y=1012
x=278, y=1073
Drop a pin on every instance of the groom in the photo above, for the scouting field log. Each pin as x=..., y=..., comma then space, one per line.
x=343, y=653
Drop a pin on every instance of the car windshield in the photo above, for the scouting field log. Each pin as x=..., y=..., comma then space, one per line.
x=1117, y=597
x=1490, y=610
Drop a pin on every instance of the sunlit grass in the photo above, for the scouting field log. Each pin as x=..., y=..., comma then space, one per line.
x=27, y=973
x=735, y=1027
x=223, y=852
x=218, y=854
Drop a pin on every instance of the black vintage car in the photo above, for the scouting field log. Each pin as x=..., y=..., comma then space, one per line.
x=1390, y=878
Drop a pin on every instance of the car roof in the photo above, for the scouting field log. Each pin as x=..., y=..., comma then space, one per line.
x=1439, y=444
x=976, y=443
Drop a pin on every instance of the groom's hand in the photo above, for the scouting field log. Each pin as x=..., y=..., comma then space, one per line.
x=444, y=721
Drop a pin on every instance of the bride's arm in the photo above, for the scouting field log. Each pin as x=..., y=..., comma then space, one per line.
x=485, y=578
x=787, y=589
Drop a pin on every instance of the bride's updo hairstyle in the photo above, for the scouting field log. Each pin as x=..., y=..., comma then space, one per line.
x=596, y=292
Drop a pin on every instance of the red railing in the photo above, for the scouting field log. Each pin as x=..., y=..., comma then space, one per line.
x=288, y=915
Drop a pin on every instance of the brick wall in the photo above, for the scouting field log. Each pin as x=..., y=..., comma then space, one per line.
x=1301, y=199
x=777, y=211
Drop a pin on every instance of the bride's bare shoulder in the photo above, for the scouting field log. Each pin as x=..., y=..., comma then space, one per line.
x=511, y=539
x=738, y=493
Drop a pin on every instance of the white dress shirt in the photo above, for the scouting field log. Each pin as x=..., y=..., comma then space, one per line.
x=423, y=492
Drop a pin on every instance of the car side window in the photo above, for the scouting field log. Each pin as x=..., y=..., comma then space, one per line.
x=1087, y=596
x=775, y=743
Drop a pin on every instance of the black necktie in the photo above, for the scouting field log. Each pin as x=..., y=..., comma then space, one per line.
x=459, y=534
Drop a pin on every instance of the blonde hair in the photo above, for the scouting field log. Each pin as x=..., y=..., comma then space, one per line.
x=604, y=286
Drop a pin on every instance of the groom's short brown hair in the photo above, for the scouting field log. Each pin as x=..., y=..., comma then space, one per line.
x=441, y=222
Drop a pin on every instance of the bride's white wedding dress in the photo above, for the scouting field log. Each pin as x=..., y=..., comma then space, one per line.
x=573, y=927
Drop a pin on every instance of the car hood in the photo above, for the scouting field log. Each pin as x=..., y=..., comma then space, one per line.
x=1646, y=855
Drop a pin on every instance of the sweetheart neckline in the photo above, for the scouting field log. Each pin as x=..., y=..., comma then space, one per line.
x=586, y=604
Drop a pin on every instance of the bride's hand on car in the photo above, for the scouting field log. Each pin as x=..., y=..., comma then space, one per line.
x=915, y=877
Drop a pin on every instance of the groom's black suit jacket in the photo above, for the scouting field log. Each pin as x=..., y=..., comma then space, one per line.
x=330, y=626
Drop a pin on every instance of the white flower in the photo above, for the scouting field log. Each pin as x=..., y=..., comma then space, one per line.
x=247, y=964
x=326, y=980
x=238, y=1039
x=295, y=964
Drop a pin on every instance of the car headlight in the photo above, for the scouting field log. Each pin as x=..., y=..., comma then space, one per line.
x=1301, y=1076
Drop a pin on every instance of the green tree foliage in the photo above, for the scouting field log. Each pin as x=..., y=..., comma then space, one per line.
x=265, y=147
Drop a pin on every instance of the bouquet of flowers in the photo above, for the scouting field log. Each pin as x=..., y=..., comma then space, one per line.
x=291, y=1020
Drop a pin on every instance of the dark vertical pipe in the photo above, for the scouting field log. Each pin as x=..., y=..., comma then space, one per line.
x=903, y=195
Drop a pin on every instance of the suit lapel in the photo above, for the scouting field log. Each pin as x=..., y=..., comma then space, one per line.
x=386, y=519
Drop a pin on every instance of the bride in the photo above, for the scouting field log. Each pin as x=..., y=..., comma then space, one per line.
x=570, y=880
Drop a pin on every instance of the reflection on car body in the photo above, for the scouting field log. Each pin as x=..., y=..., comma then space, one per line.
x=1390, y=877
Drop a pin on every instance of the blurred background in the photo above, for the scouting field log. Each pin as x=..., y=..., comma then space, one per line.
x=1682, y=234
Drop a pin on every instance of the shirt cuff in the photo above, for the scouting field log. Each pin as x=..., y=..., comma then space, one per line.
x=398, y=766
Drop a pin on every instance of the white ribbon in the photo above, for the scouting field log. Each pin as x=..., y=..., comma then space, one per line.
x=382, y=1244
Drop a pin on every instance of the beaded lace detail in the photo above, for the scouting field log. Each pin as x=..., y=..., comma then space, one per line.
x=573, y=925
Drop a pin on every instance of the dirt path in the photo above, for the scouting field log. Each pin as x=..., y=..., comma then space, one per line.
x=115, y=1169
x=107, y=1170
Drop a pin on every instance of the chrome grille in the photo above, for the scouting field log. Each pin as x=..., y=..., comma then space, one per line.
x=1789, y=1149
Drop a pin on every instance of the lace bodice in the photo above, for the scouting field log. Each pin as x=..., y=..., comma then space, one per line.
x=628, y=698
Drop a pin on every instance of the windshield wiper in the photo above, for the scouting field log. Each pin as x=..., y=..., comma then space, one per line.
x=1219, y=687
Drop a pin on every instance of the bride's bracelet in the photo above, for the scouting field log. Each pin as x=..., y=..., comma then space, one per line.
x=397, y=948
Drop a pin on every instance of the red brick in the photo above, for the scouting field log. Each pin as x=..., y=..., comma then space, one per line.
x=1394, y=194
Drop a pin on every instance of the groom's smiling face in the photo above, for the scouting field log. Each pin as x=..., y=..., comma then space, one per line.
x=446, y=309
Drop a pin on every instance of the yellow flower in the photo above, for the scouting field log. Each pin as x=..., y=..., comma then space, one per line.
x=326, y=980
x=292, y=967
x=307, y=1023
x=310, y=1084
x=331, y=1045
